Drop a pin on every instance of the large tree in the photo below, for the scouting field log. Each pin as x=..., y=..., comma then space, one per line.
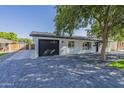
x=106, y=21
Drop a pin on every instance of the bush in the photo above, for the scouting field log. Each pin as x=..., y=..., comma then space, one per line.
x=118, y=64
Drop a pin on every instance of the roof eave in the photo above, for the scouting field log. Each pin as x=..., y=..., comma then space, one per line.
x=34, y=35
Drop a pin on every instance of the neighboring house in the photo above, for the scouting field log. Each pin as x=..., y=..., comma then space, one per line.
x=47, y=44
x=118, y=46
x=10, y=46
x=5, y=45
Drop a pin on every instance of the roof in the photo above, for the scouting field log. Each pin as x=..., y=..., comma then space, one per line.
x=5, y=41
x=51, y=35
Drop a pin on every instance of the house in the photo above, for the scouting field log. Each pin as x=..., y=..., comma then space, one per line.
x=118, y=46
x=5, y=45
x=10, y=46
x=47, y=44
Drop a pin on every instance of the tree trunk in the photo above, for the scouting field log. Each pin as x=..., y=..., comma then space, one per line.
x=117, y=46
x=104, y=45
x=105, y=33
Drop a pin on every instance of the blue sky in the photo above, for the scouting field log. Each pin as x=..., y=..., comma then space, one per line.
x=24, y=19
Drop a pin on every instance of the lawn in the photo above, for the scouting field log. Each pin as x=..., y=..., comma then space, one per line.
x=118, y=64
x=2, y=54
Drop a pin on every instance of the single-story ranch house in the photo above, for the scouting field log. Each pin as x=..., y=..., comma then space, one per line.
x=47, y=44
x=10, y=46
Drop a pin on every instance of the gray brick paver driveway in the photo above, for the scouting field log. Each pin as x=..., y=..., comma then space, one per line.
x=85, y=70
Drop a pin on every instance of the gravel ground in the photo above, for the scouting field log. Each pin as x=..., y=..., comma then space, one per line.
x=22, y=54
x=72, y=71
x=6, y=56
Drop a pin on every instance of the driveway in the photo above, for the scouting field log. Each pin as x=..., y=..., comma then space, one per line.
x=84, y=70
x=22, y=54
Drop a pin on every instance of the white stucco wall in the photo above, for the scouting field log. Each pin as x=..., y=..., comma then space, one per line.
x=64, y=50
x=114, y=46
x=63, y=46
x=35, y=39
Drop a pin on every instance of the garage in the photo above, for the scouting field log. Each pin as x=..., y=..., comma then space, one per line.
x=48, y=47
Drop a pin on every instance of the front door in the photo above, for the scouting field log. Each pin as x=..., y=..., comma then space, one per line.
x=97, y=46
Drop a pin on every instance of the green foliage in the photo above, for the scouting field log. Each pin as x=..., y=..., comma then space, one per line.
x=118, y=64
x=26, y=40
x=2, y=54
x=95, y=32
x=118, y=35
x=107, y=21
x=13, y=36
x=8, y=35
x=69, y=18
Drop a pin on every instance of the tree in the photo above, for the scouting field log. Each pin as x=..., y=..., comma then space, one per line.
x=8, y=35
x=106, y=21
x=26, y=40
x=13, y=36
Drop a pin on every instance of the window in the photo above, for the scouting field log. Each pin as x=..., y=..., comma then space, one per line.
x=86, y=45
x=71, y=44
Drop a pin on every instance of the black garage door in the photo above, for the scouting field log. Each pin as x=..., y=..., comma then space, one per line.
x=48, y=47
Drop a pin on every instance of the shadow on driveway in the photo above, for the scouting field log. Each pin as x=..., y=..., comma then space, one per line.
x=81, y=71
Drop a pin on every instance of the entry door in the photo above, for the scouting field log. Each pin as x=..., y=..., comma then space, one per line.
x=48, y=47
x=97, y=46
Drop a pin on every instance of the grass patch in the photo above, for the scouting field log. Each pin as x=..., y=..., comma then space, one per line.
x=118, y=64
x=2, y=54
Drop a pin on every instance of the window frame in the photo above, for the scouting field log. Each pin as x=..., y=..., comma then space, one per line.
x=86, y=45
x=71, y=44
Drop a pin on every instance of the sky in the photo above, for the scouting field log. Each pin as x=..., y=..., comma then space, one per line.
x=24, y=19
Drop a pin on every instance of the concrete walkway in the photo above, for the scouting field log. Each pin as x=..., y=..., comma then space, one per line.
x=22, y=54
